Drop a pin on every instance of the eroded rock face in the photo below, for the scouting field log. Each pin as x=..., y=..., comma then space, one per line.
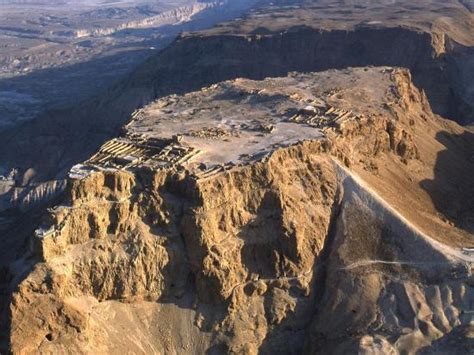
x=308, y=247
x=140, y=237
x=265, y=221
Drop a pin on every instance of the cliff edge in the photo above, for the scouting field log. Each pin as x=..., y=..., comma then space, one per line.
x=284, y=215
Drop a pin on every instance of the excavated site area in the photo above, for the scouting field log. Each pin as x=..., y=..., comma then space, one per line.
x=320, y=212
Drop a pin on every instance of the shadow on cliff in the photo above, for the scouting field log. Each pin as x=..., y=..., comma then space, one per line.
x=457, y=341
x=266, y=239
x=16, y=262
x=296, y=326
x=452, y=187
x=59, y=139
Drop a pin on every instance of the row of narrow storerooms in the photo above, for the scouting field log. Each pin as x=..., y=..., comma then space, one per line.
x=126, y=154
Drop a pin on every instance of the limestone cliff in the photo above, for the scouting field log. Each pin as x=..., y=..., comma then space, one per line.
x=308, y=247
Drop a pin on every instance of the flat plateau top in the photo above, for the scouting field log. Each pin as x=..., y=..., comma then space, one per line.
x=452, y=17
x=244, y=120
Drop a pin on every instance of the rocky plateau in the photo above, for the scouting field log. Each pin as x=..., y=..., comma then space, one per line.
x=294, y=181
x=296, y=241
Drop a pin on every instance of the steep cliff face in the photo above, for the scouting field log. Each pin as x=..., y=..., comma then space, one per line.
x=142, y=237
x=304, y=249
x=265, y=221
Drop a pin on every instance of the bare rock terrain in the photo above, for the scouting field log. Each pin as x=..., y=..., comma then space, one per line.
x=165, y=242
x=297, y=180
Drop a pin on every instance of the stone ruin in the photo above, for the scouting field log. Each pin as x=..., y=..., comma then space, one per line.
x=126, y=154
x=321, y=117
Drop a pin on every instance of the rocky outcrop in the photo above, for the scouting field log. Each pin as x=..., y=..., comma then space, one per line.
x=14, y=198
x=141, y=237
x=292, y=252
